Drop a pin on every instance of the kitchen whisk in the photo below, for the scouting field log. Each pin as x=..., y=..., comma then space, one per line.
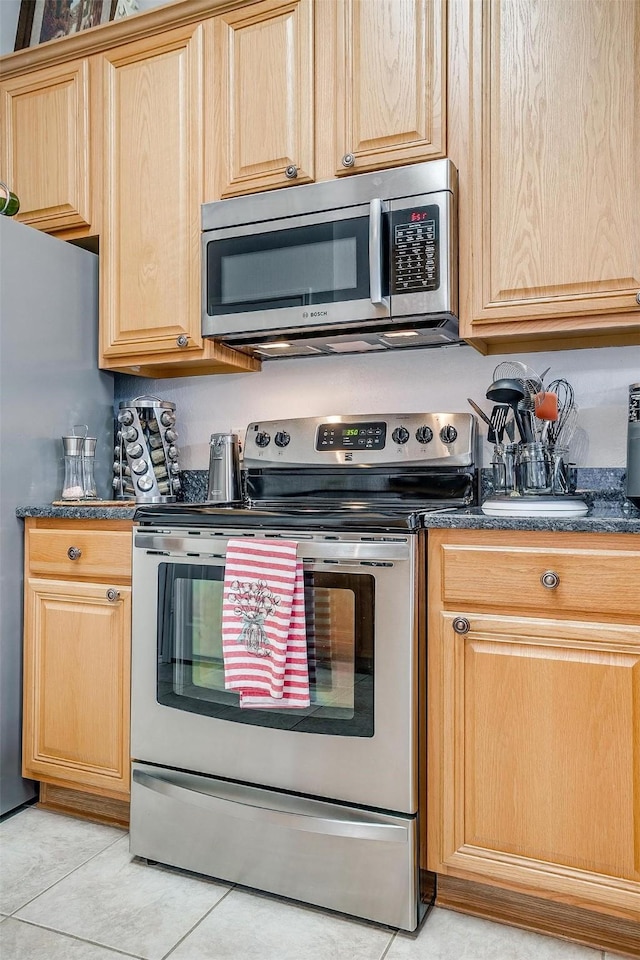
x=560, y=431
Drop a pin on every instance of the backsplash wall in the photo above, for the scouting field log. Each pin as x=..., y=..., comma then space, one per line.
x=400, y=382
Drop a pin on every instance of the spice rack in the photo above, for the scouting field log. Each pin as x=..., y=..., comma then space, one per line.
x=146, y=461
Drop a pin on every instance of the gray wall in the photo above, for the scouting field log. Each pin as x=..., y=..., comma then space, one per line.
x=400, y=382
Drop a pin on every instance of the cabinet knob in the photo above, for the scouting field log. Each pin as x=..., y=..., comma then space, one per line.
x=291, y=172
x=348, y=160
x=638, y=297
x=74, y=553
x=550, y=580
x=182, y=340
x=113, y=595
x=461, y=625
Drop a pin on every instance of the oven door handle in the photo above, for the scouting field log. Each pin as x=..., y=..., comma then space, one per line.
x=315, y=550
x=358, y=827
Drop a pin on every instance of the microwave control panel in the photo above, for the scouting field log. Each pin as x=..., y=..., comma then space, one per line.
x=415, y=245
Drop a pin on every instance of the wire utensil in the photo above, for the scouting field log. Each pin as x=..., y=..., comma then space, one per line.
x=560, y=431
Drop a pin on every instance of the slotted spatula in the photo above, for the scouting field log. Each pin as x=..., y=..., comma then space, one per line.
x=499, y=416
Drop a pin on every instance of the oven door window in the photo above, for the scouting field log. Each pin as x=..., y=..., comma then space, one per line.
x=300, y=266
x=340, y=649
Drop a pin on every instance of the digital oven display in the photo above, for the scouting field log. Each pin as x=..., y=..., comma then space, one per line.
x=369, y=435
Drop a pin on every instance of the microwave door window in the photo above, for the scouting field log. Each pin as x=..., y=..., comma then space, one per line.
x=298, y=267
x=340, y=653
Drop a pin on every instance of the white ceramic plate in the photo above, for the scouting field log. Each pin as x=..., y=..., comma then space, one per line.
x=538, y=507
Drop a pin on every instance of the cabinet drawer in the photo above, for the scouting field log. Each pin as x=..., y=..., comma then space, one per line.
x=80, y=553
x=580, y=582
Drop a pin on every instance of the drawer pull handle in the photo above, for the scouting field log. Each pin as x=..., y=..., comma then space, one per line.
x=74, y=553
x=113, y=595
x=550, y=580
x=461, y=625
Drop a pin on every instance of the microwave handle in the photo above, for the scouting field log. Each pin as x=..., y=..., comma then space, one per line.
x=376, y=209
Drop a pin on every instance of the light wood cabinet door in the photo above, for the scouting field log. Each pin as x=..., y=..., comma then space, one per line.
x=76, y=684
x=539, y=756
x=546, y=96
x=150, y=301
x=153, y=155
x=261, y=114
x=46, y=146
x=533, y=727
x=386, y=87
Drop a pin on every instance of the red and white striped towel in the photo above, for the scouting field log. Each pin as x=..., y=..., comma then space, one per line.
x=264, y=646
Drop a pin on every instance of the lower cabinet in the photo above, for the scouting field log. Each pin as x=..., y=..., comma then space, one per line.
x=77, y=665
x=533, y=721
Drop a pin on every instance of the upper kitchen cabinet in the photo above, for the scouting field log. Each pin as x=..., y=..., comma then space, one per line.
x=152, y=188
x=544, y=109
x=380, y=78
x=305, y=91
x=46, y=146
x=261, y=114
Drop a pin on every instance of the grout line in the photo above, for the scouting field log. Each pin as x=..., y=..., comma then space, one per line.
x=72, y=936
x=197, y=924
x=66, y=875
x=385, y=952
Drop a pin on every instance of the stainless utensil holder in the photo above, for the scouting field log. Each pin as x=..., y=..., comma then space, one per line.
x=532, y=469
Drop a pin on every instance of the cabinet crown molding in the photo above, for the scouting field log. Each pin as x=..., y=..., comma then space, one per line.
x=112, y=34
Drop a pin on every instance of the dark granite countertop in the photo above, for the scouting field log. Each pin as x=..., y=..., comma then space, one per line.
x=605, y=516
x=78, y=511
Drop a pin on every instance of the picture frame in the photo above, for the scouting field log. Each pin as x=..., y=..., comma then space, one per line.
x=42, y=20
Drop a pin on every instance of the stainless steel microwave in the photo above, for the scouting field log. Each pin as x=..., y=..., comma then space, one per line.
x=362, y=263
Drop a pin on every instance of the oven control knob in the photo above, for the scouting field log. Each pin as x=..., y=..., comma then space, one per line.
x=262, y=439
x=282, y=438
x=424, y=434
x=400, y=435
x=448, y=434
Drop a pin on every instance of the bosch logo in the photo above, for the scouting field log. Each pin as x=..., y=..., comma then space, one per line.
x=319, y=313
x=305, y=315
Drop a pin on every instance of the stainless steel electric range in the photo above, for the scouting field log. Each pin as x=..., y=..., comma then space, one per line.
x=323, y=804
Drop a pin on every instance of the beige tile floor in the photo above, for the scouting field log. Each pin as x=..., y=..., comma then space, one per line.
x=70, y=890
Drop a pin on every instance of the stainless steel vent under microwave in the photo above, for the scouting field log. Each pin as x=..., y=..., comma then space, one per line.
x=366, y=262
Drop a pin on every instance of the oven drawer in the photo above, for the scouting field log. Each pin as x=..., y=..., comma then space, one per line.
x=548, y=580
x=355, y=861
x=76, y=551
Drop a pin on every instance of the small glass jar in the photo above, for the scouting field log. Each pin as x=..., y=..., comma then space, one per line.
x=88, y=463
x=73, y=485
x=534, y=469
x=503, y=468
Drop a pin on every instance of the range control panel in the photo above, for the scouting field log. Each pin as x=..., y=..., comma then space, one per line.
x=429, y=439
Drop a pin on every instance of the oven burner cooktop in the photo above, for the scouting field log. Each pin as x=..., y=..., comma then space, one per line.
x=370, y=472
